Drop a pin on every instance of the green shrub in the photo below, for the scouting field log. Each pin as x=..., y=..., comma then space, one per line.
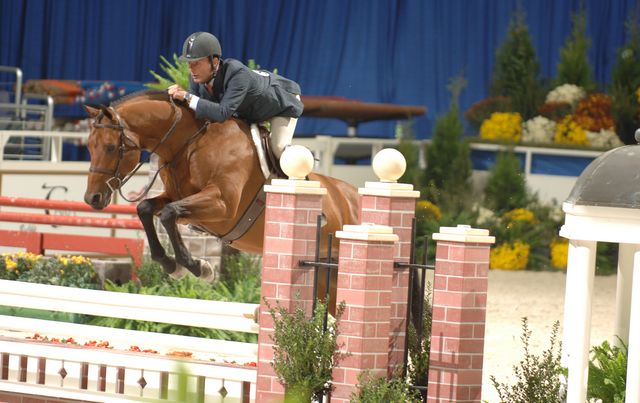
x=574, y=66
x=187, y=287
x=413, y=173
x=304, y=354
x=448, y=172
x=606, y=258
x=240, y=272
x=608, y=373
x=376, y=389
x=239, y=282
x=69, y=271
x=516, y=70
x=538, y=377
x=537, y=231
x=178, y=73
x=151, y=273
x=506, y=188
x=625, y=81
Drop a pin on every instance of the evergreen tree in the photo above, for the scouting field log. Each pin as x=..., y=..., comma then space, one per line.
x=624, y=84
x=448, y=170
x=516, y=71
x=574, y=67
x=506, y=188
x=413, y=173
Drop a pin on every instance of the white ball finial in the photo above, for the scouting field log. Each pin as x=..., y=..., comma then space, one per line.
x=389, y=165
x=296, y=161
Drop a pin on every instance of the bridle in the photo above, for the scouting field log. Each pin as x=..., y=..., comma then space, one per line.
x=117, y=179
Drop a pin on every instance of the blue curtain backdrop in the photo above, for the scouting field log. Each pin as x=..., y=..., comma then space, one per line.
x=390, y=51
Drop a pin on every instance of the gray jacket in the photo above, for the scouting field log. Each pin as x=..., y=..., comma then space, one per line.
x=251, y=95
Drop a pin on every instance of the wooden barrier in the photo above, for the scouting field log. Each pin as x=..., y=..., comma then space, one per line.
x=39, y=242
x=37, y=370
x=215, y=368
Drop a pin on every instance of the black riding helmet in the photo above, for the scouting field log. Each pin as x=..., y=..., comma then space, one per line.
x=200, y=45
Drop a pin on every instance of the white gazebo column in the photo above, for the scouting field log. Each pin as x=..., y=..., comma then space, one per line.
x=577, y=317
x=633, y=359
x=623, y=291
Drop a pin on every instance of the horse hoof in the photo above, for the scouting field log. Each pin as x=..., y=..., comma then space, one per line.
x=179, y=272
x=206, y=271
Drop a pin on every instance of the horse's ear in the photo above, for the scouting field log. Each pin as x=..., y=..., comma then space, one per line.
x=132, y=137
x=93, y=112
x=106, y=111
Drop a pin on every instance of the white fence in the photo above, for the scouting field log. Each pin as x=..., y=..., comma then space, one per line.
x=100, y=374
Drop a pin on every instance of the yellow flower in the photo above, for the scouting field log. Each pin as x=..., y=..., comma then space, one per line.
x=559, y=249
x=32, y=257
x=502, y=126
x=63, y=260
x=510, y=256
x=568, y=131
x=79, y=260
x=638, y=94
x=519, y=214
x=426, y=209
x=11, y=265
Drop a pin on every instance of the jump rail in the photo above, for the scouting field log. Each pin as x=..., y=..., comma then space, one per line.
x=39, y=242
x=95, y=374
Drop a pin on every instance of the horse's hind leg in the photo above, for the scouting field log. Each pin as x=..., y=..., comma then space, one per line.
x=169, y=216
x=146, y=211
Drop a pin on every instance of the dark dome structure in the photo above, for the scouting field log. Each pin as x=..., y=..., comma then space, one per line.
x=611, y=180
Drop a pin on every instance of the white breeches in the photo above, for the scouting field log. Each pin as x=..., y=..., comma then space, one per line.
x=281, y=133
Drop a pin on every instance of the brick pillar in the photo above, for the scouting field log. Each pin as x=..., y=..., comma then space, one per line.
x=292, y=208
x=459, y=312
x=394, y=205
x=365, y=269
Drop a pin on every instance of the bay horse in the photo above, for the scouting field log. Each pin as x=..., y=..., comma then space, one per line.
x=210, y=173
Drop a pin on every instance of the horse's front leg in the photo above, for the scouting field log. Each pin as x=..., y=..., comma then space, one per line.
x=207, y=203
x=147, y=209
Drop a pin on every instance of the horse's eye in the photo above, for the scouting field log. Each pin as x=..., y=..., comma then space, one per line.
x=110, y=148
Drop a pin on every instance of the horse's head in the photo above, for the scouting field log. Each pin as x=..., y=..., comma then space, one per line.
x=114, y=150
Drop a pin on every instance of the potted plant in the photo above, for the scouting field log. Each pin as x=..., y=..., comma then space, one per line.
x=304, y=350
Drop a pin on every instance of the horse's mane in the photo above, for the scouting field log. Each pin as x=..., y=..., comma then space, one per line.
x=154, y=95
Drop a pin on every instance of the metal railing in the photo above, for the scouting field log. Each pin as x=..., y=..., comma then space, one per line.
x=26, y=116
x=18, y=83
x=54, y=139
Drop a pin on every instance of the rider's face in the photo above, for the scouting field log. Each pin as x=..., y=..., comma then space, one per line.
x=201, y=70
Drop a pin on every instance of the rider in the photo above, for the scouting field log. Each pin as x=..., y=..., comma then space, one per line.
x=223, y=88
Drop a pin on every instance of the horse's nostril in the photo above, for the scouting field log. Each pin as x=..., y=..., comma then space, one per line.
x=96, y=200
